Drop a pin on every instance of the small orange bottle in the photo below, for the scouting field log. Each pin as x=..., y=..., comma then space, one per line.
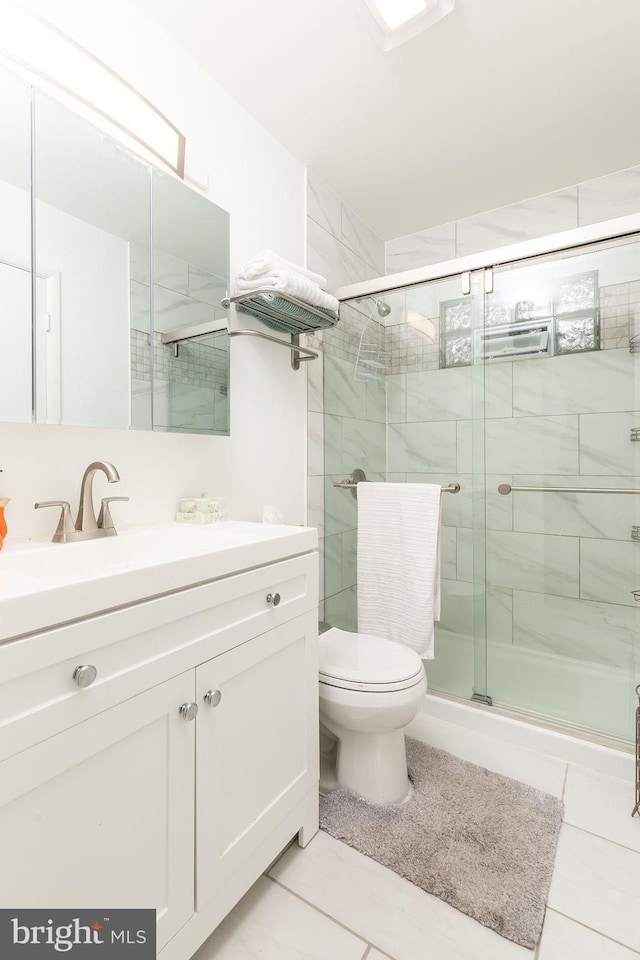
x=3, y=523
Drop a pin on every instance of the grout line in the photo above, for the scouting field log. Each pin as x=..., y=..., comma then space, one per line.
x=564, y=784
x=382, y=952
x=598, y=836
x=593, y=930
x=536, y=954
x=320, y=911
x=366, y=953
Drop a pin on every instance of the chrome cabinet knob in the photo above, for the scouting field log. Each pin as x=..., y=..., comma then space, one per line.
x=273, y=598
x=85, y=675
x=189, y=711
x=212, y=697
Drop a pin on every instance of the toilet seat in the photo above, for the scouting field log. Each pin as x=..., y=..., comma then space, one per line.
x=366, y=663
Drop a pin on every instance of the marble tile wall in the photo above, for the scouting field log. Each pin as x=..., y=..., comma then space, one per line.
x=191, y=391
x=560, y=567
x=346, y=429
x=605, y=198
x=340, y=245
x=345, y=394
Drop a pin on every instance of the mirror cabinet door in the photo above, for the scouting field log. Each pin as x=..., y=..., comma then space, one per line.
x=92, y=209
x=190, y=279
x=82, y=325
x=16, y=374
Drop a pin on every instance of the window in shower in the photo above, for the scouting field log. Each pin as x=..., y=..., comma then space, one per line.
x=561, y=316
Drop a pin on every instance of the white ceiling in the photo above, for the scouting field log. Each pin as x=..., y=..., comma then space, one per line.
x=501, y=100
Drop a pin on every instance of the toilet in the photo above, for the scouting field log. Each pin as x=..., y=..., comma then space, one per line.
x=370, y=689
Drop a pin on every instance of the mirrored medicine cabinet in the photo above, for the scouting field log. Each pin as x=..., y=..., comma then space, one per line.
x=112, y=274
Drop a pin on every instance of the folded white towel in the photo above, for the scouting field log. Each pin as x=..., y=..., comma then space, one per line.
x=282, y=281
x=267, y=260
x=399, y=562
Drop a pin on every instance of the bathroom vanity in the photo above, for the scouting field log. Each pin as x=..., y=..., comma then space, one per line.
x=158, y=720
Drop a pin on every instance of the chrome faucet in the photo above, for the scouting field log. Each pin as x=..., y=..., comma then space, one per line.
x=86, y=526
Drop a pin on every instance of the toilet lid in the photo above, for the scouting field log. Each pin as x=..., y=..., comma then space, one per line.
x=361, y=658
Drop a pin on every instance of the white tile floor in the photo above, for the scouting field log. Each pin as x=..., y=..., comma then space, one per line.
x=328, y=902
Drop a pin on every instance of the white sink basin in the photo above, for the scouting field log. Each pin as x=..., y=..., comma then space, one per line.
x=46, y=584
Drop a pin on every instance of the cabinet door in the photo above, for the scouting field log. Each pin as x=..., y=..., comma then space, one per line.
x=101, y=815
x=257, y=748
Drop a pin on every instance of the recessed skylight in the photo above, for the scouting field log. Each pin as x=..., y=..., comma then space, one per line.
x=396, y=12
x=394, y=21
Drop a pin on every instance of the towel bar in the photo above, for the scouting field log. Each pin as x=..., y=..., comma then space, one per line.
x=296, y=350
x=505, y=489
x=358, y=476
x=347, y=485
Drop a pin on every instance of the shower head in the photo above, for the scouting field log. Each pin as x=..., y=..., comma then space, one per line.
x=383, y=308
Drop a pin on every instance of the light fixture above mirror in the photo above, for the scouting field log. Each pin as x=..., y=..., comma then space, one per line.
x=54, y=62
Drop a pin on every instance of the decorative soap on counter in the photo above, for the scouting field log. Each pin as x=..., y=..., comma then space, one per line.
x=199, y=519
x=202, y=504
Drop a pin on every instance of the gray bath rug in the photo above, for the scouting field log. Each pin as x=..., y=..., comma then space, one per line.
x=483, y=842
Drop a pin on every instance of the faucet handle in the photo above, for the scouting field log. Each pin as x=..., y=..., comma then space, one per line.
x=105, y=520
x=65, y=524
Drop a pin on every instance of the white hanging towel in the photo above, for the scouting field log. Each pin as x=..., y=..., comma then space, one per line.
x=399, y=562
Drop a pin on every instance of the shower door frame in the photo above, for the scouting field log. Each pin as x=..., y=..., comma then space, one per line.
x=552, y=243
x=481, y=265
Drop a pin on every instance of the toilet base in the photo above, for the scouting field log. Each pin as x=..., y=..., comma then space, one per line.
x=373, y=765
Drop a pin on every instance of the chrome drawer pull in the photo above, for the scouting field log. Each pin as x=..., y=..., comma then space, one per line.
x=212, y=697
x=273, y=598
x=189, y=711
x=85, y=675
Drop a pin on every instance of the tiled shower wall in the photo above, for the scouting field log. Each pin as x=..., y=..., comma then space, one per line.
x=191, y=391
x=607, y=197
x=346, y=416
x=533, y=606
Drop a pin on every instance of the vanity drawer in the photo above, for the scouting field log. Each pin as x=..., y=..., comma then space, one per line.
x=137, y=647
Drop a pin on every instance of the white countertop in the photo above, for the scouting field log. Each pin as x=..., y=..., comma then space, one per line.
x=42, y=585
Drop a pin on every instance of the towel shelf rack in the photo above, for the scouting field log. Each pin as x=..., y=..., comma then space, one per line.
x=285, y=314
x=294, y=346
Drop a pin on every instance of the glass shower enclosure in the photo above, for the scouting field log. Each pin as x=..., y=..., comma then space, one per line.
x=520, y=381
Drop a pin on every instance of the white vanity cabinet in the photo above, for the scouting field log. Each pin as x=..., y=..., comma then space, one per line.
x=101, y=815
x=255, y=737
x=123, y=794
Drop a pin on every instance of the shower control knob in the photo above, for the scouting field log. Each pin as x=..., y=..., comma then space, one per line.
x=85, y=675
x=212, y=697
x=189, y=711
x=273, y=598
